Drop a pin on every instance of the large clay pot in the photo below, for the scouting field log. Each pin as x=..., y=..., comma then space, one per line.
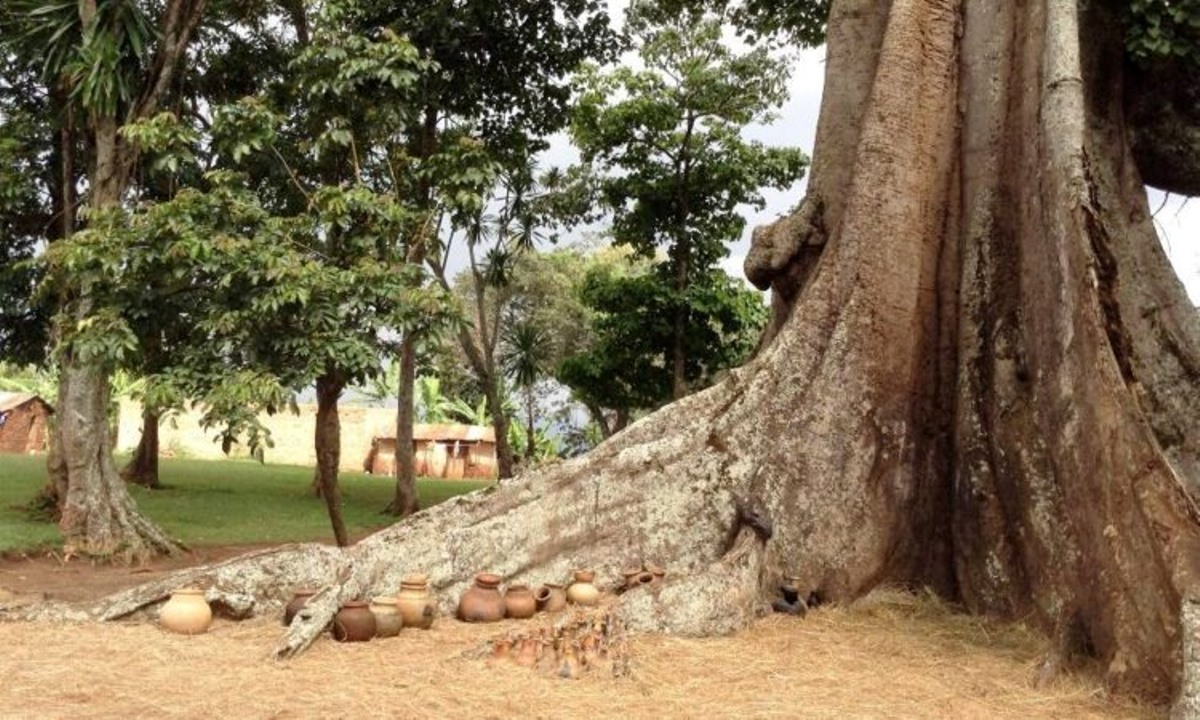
x=519, y=602
x=387, y=617
x=551, y=597
x=354, y=623
x=582, y=591
x=186, y=613
x=483, y=602
x=415, y=603
x=296, y=604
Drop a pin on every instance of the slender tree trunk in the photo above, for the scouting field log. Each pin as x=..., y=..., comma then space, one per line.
x=328, y=442
x=143, y=466
x=679, y=324
x=983, y=385
x=530, y=406
x=505, y=460
x=406, y=502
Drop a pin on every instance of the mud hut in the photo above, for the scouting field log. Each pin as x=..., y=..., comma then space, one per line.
x=24, y=422
x=445, y=451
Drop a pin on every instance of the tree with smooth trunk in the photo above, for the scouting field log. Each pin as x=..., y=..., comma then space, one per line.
x=983, y=381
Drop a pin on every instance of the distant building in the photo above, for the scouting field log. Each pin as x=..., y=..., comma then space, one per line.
x=442, y=451
x=24, y=423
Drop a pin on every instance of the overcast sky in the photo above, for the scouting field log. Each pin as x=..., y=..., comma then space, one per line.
x=1178, y=221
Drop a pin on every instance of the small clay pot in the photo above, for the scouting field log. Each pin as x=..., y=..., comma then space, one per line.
x=551, y=597
x=631, y=577
x=483, y=602
x=296, y=604
x=186, y=613
x=582, y=591
x=519, y=602
x=354, y=622
x=528, y=654
x=387, y=617
x=415, y=603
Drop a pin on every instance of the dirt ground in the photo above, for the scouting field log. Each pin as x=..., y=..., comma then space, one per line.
x=888, y=656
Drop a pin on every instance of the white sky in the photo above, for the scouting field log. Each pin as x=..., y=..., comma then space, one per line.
x=1178, y=222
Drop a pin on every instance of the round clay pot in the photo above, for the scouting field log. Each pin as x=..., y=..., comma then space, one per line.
x=582, y=591
x=519, y=602
x=631, y=577
x=186, y=613
x=296, y=604
x=354, y=623
x=387, y=617
x=415, y=603
x=551, y=597
x=483, y=602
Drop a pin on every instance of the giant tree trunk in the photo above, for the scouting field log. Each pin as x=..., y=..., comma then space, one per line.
x=142, y=468
x=327, y=437
x=406, y=502
x=983, y=381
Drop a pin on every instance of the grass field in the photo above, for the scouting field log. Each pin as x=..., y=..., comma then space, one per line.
x=221, y=502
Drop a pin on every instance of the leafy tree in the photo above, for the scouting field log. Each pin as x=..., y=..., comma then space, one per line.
x=503, y=78
x=624, y=369
x=665, y=148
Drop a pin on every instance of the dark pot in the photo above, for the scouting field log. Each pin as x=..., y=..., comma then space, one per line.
x=296, y=604
x=483, y=602
x=354, y=622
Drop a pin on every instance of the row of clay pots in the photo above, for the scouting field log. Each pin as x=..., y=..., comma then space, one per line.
x=384, y=616
x=484, y=602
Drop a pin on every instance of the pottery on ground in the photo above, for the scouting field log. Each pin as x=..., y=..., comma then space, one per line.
x=415, y=603
x=631, y=577
x=519, y=602
x=582, y=591
x=551, y=597
x=186, y=613
x=483, y=601
x=387, y=617
x=528, y=654
x=656, y=571
x=354, y=622
x=296, y=604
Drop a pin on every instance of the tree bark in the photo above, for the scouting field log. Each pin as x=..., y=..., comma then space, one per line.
x=142, y=468
x=982, y=386
x=406, y=501
x=328, y=442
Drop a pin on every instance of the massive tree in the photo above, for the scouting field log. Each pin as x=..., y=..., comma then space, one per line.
x=986, y=381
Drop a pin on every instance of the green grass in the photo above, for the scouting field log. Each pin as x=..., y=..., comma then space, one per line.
x=222, y=502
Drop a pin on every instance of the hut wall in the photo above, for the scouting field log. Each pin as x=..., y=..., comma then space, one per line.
x=24, y=429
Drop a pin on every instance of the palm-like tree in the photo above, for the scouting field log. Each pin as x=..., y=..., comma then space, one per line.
x=524, y=359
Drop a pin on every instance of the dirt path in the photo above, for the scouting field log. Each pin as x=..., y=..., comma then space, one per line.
x=47, y=575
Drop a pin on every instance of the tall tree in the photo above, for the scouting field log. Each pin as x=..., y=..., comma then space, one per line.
x=524, y=359
x=985, y=382
x=665, y=145
x=118, y=60
x=503, y=73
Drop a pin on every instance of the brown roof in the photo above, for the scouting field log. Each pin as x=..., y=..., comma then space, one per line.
x=446, y=431
x=11, y=400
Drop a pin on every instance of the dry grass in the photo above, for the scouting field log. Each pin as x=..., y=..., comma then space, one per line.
x=889, y=656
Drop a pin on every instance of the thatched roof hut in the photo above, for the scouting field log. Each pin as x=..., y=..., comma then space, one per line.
x=24, y=423
x=439, y=450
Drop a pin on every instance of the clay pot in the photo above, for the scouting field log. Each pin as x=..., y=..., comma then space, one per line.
x=415, y=603
x=501, y=649
x=296, y=604
x=631, y=577
x=641, y=577
x=519, y=602
x=186, y=613
x=551, y=598
x=483, y=602
x=387, y=617
x=354, y=623
x=582, y=591
x=528, y=655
